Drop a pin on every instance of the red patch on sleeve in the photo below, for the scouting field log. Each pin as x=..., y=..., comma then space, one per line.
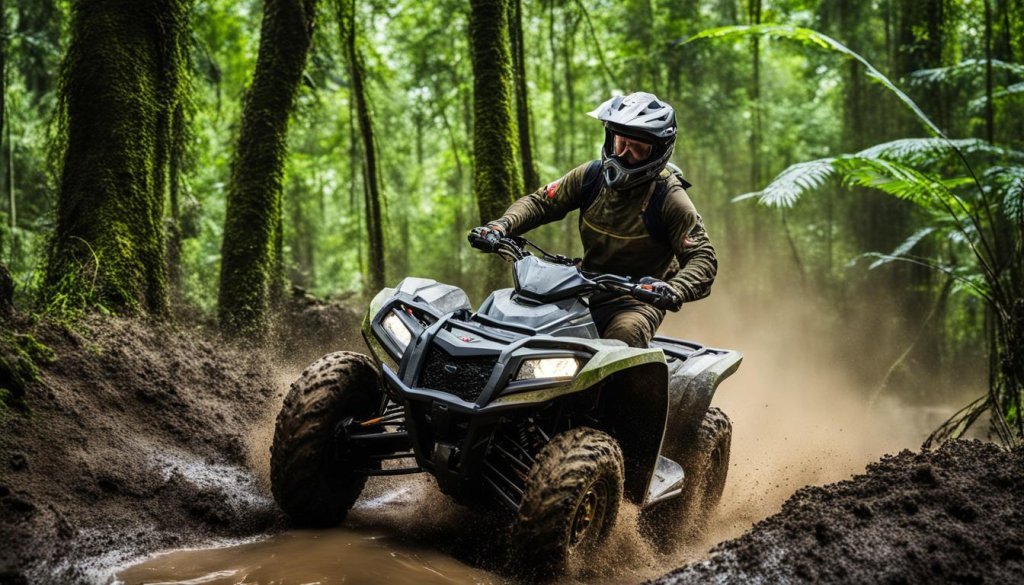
x=551, y=188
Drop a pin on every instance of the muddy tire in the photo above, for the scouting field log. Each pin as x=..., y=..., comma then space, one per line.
x=570, y=503
x=669, y=524
x=311, y=471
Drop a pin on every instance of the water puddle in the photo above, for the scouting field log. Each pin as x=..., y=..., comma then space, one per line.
x=324, y=557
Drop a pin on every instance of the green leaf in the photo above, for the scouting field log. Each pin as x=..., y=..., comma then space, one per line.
x=935, y=151
x=966, y=68
x=904, y=182
x=790, y=184
x=903, y=249
x=977, y=104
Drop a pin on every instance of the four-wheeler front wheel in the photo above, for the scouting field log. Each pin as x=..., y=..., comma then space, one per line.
x=570, y=502
x=312, y=463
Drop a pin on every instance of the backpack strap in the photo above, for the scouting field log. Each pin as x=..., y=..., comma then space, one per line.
x=652, y=213
x=591, y=185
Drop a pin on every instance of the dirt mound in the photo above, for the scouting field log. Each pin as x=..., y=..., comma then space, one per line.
x=308, y=324
x=951, y=515
x=136, y=438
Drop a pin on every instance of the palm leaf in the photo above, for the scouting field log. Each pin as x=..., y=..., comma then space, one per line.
x=815, y=39
x=966, y=68
x=790, y=184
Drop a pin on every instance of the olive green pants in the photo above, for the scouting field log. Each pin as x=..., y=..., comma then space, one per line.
x=625, y=318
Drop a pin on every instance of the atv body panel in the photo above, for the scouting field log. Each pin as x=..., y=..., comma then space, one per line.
x=468, y=408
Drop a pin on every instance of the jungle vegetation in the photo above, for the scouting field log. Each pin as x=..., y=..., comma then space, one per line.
x=173, y=158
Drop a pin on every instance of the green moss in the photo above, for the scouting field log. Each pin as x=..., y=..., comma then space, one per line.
x=122, y=77
x=496, y=178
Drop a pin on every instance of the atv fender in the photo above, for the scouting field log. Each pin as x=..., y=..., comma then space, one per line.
x=692, y=384
x=637, y=410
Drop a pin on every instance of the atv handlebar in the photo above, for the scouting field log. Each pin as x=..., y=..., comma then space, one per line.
x=514, y=248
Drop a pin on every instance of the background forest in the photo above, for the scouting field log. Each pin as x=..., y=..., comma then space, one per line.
x=377, y=162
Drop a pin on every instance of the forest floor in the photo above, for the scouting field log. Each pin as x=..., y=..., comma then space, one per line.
x=144, y=437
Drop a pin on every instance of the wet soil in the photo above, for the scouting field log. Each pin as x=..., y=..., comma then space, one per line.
x=955, y=515
x=134, y=440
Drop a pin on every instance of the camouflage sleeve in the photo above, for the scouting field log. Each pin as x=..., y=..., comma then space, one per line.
x=549, y=203
x=692, y=247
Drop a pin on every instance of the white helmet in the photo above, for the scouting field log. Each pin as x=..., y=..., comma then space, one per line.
x=640, y=116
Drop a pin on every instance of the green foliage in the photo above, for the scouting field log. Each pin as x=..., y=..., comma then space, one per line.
x=819, y=40
x=993, y=233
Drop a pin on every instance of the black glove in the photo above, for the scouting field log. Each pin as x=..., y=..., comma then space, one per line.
x=658, y=293
x=486, y=237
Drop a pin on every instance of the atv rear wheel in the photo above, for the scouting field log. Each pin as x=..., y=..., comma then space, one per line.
x=669, y=524
x=570, y=503
x=311, y=467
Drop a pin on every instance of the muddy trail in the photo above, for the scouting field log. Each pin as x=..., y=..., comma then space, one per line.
x=143, y=438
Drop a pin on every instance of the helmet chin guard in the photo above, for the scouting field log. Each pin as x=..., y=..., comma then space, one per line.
x=641, y=116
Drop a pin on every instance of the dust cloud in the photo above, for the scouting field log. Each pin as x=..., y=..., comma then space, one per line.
x=798, y=404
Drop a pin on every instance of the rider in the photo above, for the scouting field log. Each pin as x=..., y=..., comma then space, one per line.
x=675, y=259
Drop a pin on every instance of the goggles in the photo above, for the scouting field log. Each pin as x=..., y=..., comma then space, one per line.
x=631, y=150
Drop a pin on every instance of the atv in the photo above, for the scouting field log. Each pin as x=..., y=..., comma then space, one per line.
x=519, y=406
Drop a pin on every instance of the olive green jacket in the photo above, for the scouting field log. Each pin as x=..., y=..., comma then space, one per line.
x=615, y=239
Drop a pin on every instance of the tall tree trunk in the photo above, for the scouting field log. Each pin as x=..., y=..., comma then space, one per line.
x=122, y=76
x=572, y=21
x=3, y=109
x=530, y=179
x=254, y=191
x=371, y=184
x=556, y=94
x=496, y=180
x=755, y=94
x=990, y=123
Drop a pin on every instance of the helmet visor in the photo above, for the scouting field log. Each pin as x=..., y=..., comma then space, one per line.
x=630, y=150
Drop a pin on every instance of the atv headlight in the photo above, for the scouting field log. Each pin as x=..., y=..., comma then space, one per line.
x=397, y=330
x=560, y=367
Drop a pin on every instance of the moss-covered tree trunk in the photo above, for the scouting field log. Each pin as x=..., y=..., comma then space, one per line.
x=371, y=184
x=496, y=179
x=530, y=179
x=120, y=82
x=254, y=192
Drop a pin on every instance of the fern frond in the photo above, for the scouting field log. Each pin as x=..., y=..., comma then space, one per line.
x=816, y=39
x=1008, y=180
x=966, y=68
x=904, y=182
x=964, y=280
x=935, y=151
x=790, y=184
x=978, y=104
x=903, y=249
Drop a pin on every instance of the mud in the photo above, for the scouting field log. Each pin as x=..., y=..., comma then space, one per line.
x=955, y=515
x=135, y=440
